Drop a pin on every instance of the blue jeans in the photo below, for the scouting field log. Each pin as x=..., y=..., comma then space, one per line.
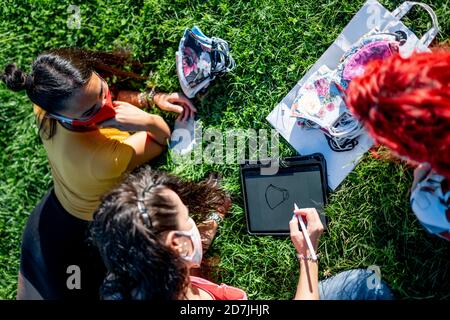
x=353, y=284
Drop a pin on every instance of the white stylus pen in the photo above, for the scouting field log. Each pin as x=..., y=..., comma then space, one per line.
x=305, y=234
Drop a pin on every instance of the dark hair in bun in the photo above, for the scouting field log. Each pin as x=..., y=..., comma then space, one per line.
x=15, y=79
x=57, y=74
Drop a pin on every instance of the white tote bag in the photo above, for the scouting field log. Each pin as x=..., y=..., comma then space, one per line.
x=371, y=15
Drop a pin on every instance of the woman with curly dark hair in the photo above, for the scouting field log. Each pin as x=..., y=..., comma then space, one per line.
x=91, y=142
x=148, y=241
x=151, y=246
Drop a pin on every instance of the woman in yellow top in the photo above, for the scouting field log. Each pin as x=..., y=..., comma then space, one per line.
x=90, y=142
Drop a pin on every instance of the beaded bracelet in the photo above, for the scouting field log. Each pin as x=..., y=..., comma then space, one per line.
x=216, y=217
x=308, y=258
x=142, y=100
x=146, y=98
x=149, y=96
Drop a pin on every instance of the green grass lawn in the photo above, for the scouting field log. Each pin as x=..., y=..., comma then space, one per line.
x=273, y=43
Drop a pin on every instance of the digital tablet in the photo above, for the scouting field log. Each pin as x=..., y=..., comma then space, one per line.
x=269, y=199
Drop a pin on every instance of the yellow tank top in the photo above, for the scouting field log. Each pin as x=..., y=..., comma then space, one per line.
x=85, y=165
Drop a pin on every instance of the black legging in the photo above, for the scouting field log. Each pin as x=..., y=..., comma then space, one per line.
x=52, y=241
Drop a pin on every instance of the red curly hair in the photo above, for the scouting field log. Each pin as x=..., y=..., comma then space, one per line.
x=405, y=104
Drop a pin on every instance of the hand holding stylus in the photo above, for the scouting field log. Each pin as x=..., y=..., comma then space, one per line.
x=306, y=238
x=306, y=244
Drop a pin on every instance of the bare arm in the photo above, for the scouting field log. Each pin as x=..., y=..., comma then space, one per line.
x=152, y=132
x=132, y=97
x=172, y=102
x=144, y=148
x=308, y=282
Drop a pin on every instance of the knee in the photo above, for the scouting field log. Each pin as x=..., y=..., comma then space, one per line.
x=370, y=284
x=355, y=284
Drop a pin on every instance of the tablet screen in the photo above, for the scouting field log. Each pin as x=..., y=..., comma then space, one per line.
x=270, y=199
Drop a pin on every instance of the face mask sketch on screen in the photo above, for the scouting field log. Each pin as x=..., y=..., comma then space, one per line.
x=275, y=196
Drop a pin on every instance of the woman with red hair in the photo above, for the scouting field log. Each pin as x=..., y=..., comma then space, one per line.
x=404, y=103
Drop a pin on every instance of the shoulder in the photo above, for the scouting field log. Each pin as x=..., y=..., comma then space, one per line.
x=430, y=202
x=220, y=292
x=110, y=159
x=432, y=186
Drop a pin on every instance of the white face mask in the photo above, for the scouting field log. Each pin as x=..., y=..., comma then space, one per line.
x=195, y=258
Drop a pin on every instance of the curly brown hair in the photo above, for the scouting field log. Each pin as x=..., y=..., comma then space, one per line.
x=140, y=266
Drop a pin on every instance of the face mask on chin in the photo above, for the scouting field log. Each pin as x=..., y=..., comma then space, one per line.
x=106, y=111
x=195, y=258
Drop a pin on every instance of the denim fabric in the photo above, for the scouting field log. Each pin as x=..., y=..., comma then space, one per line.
x=353, y=285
